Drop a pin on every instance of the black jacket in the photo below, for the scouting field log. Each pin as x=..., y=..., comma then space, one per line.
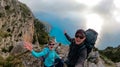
x=77, y=53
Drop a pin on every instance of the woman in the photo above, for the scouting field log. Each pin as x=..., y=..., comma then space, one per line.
x=48, y=52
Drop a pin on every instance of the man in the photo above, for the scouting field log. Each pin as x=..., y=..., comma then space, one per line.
x=77, y=51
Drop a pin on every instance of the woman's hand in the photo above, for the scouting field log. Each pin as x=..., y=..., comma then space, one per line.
x=28, y=46
x=65, y=31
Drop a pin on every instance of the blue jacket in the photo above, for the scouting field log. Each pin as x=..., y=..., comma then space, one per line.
x=50, y=59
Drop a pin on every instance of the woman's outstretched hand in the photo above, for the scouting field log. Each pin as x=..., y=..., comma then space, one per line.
x=28, y=46
x=65, y=32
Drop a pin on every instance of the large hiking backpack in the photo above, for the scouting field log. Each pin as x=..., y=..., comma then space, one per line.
x=91, y=37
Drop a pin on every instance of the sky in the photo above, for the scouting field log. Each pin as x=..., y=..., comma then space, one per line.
x=70, y=15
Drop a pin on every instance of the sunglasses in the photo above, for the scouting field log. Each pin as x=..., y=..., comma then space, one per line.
x=51, y=44
x=77, y=36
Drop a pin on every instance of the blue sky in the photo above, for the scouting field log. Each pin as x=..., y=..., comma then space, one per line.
x=70, y=15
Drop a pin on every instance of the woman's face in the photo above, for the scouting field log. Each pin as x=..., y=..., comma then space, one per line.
x=79, y=38
x=51, y=46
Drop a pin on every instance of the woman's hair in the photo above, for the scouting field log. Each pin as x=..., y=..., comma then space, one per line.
x=80, y=31
x=51, y=41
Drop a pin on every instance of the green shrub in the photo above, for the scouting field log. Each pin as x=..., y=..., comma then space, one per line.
x=8, y=64
x=10, y=58
x=1, y=58
x=112, y=53
x=25, y=10
x=4, y=50
x=40, y=34
x=106, y=60
x=1, y=15
x=4, y=34
x=10, y=48
x=7, y=7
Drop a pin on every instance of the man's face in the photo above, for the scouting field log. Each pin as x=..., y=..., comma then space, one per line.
x=79, y=38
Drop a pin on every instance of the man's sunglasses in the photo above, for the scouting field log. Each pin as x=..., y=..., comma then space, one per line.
x=51, y=44
x=77, y=36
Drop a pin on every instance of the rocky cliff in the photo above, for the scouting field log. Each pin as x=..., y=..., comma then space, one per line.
x=17, y=24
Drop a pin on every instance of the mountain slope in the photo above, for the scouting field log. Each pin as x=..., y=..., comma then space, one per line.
x=17, y=24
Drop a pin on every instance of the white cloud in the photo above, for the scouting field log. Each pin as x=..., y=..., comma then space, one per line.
x=116, y=15
x=105, y=7
x=89, y=3
x=77, y=9
x=94, y=21
x=62, y=8
x=56, y=6
x=117, y=3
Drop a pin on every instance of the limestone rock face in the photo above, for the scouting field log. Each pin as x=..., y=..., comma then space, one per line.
x=16, y=24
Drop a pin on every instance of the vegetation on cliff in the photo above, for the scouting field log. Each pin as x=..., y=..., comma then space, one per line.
x=112, y=53
x=40, y=34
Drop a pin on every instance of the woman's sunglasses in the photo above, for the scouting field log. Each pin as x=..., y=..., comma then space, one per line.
x=78, y=36
x=51, y=44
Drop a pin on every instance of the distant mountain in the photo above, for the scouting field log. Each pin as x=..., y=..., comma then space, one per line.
x=112, y=53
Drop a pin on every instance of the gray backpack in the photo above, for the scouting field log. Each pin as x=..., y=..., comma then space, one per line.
x=91, y=37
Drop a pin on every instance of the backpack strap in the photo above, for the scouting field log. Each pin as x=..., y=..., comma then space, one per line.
x=46, y=55
x=42, y=58
x=81, y=47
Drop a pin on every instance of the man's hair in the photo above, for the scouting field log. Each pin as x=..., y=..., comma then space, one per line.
x=80, y=31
